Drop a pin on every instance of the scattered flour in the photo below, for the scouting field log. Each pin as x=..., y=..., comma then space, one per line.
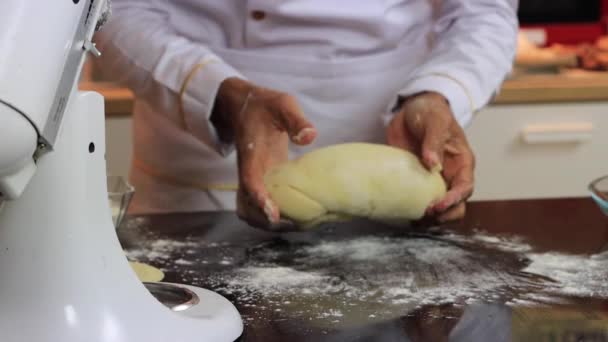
x=378, y=276
x=508, y=244
x=331, y=313
x=183, y=262
x=160, y=249
x=382, y=249
x=370, y=276
x=275, y=280
x=575, y=274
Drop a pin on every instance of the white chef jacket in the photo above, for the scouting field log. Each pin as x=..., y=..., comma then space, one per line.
x=346, y=61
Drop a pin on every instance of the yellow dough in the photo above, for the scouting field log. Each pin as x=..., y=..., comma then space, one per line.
x=339, y=182
x=146, y=273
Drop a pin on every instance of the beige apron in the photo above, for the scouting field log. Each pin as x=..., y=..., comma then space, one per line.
x=174, y=172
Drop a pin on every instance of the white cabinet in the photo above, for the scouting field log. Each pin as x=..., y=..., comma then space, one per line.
x=539, y=151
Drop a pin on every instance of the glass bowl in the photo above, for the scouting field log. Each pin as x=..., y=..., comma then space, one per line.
x=599, y=192
x=120, y=193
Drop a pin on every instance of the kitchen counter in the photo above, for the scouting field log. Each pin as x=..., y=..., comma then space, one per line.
x=540, y=88
x=447, y=273
x=567, y=86
x=118, y=100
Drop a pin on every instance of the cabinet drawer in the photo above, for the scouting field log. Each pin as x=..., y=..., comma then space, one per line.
x=539, y=151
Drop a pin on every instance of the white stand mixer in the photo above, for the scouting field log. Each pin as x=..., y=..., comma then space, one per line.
x=64, y=274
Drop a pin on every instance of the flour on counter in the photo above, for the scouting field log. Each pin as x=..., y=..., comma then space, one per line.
x=275, y=280
x=371, y=277
x=379, y=277
x=183, y=262
x=383, y=249
x=575, y=274
x=504, y=243
x=160, y=249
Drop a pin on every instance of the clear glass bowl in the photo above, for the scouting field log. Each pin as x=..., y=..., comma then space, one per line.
x=599, y=192
x=120, y=193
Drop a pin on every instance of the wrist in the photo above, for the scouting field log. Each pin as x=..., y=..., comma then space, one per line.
x=229, y=101
x=436, y=96
x=431, y=95
x=402, y=100
x=231, y=95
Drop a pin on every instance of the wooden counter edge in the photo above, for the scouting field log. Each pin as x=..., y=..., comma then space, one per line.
x=552, y=89
x=118, y=100
x=528, y=90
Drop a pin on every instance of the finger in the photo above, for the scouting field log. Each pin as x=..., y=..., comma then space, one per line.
x=450, y=199
x=286, y=225
x=260, y=199
x=461, y=184
x=252, y=187
x=453, y=214
x=255, y=217
x=460, y=191
x=436, y=134
x=425, y=222
x=398, y=137
x=249, y=212
x=291, y=117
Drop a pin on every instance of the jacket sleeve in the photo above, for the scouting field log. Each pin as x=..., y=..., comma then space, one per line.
x=471, y=54
x=170, y=72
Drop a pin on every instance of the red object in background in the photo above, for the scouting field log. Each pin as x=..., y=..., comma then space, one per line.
x=574, y=33
x=570, y=33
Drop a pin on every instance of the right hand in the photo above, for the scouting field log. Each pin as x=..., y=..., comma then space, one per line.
x=426, y=126
x=260, y=122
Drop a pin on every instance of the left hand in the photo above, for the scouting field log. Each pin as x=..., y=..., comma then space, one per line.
x=426, y=126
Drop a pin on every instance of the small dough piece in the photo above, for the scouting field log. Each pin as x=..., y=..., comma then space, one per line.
x=344, y=181
x=146, y=273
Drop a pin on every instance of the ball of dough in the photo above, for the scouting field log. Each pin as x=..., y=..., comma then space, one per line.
x=146, y=273
x=345, y=181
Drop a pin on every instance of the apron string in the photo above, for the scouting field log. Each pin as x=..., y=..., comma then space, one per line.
x=182, y=182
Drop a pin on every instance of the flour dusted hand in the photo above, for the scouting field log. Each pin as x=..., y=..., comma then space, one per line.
x=427, y=126
x=260, y=122
x=344, y=181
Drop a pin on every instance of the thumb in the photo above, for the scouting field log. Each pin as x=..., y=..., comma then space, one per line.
x=299, y=129
x=435, y=137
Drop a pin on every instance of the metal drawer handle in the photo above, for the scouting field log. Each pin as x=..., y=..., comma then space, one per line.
x=557, y=133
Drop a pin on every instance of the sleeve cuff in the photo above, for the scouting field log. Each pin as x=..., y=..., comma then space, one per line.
x=197, y=99
x=453, y=90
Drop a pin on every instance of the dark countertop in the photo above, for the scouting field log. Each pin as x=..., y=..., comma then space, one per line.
x=208, y=249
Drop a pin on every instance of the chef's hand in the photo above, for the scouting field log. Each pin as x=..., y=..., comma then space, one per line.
x=425, y=125
x=260, y=122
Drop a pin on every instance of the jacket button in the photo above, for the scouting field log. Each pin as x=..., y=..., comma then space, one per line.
x=258, y=15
